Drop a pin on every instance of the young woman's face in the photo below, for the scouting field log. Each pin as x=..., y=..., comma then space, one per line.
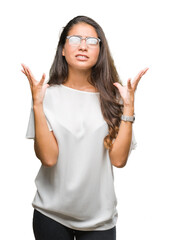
x=82, y=56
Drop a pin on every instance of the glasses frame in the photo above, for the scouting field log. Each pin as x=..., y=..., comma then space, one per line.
x=84, y=38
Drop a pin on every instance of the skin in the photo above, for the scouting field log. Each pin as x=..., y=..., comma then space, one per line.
x=45, y=143
x=70, y=52
x=80, y=69
x=120, y=150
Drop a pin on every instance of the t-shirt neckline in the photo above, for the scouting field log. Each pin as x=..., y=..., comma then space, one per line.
x=73, y=89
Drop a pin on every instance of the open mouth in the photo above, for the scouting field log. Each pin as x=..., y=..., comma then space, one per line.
x=81, y=57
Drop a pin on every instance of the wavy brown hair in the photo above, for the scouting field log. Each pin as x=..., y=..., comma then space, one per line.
x=103, y=75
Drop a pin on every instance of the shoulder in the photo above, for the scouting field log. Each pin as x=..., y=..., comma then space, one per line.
x=52, y=90
x=51, y=93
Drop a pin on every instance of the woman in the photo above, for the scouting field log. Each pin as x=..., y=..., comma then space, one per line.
x=81, y=123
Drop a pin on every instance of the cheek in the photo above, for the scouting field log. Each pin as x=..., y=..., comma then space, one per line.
x=96, y=55
x=68, y=53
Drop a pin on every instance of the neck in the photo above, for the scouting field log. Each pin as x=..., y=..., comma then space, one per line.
x=78, y=78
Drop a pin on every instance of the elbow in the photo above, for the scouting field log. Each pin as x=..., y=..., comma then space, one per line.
x=119, y=163
x=47, y=159
x=49, y=163
x=48, y=155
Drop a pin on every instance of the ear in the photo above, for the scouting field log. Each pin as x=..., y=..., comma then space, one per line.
x=63, y=52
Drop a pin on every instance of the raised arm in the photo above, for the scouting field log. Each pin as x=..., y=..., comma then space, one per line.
x=121, y=146
x=45, y=143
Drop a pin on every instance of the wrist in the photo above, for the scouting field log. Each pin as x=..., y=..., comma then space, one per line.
x=128, y=110
x=37, y=105
x=128, y=118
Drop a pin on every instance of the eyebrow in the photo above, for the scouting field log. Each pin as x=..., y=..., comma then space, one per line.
x=82, y=36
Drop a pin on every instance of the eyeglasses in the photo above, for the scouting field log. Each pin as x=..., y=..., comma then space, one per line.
x=76, y=40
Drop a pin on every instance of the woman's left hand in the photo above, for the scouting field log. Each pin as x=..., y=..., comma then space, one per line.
x=127, y=92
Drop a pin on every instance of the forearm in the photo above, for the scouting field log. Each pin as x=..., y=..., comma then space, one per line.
x=121, y=146
x=120, y=150
x=45, y=144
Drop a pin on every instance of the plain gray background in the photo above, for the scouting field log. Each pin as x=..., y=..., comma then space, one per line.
x=138, y=36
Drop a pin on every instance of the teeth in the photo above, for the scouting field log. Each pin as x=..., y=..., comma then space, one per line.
x=81, y=57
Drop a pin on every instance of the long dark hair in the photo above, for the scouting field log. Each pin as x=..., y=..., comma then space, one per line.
x=103, y=75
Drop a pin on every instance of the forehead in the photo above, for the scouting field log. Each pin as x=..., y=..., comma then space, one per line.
x=83, y=29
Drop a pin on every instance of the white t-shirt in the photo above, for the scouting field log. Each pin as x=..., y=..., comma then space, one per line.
x=78, y=191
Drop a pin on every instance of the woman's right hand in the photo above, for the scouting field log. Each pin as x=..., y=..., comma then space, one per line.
x=37, y=88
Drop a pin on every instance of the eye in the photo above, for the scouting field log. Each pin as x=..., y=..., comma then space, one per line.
x=92, y=41
x=74, y=40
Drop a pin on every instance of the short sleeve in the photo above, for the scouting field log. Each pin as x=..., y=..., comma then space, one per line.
x=30, y=133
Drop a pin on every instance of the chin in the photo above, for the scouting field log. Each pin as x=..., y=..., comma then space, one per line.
x=83, y=66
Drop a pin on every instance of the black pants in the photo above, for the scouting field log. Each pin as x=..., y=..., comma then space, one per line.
x=46, y=228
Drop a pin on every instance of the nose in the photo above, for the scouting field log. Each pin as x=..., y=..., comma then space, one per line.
x=83, y=44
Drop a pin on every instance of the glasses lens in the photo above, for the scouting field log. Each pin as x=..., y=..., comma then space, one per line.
x=92, y=41
x=74, y=40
